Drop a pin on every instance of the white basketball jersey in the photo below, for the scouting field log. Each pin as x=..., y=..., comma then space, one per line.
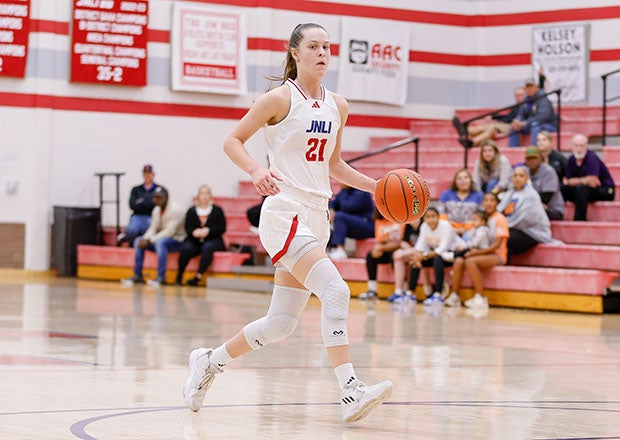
x=301, y=144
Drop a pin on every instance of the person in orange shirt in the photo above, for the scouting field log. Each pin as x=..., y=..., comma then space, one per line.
x=477, y=260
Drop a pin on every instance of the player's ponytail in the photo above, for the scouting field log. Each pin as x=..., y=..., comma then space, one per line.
x=290, y=65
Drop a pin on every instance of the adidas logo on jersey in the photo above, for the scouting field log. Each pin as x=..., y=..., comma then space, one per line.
x=316, y=104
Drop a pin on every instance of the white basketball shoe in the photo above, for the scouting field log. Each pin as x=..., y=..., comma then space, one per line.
x=201, y=375
x=358, y=399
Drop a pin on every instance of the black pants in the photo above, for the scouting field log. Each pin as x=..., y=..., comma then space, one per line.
x=373, y=263
x=191, y=248
x=438, y=264
x=581, y=195
x=253, y=213
x=519, y=242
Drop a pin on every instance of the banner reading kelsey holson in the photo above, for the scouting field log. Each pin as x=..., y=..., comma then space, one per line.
x=563, y=54
x=14, y=30
x=208, y=49
x=374, y=60
x=109, y=42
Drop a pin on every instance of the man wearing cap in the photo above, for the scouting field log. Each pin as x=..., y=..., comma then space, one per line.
x=587, y=178
x=141, y=203
x=535, y=114
x=545, y=181
x=165, y=234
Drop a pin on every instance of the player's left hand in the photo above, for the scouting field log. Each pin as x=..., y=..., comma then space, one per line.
x=265, y=182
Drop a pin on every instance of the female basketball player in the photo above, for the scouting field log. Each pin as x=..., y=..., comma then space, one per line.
x=303, y=124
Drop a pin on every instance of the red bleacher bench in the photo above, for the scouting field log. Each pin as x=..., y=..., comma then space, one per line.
x=517, y=278
x=111, y=256
x=571, y=256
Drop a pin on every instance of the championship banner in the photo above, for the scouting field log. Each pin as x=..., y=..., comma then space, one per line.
x=108, y=42
x=208, y=49
x=563, y=53
x=14, y=30
x=374, y=60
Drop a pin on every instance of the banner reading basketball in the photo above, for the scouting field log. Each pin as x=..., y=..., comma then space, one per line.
x=374, y=59
x=14, y=29
x=109, y=42
x=208, y=49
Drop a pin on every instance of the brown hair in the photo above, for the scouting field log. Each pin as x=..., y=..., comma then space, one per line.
x=453, y=186
x=290, y=65
x=546, y=134
x=482, y=214
x=483, y=165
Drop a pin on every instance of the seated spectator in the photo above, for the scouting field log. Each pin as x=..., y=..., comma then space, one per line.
x=351, y=215
x=497, y=124
x=535, y=114
x=253, y=214
x=388, y=237
x=475, y=261
x=480, y=237
x=587, y=178
x=527, y=220
x=141, y=203
x=402, y=259
x=492, y=170
x=460, y=201
x=205, y=225
x=551, y=156
x=434, y=248
x=545, y=182
x=164, y=235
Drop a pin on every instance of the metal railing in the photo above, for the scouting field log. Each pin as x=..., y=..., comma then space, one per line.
x=115, y=201
x=415, y=140
x=557, y=92
x=605, y=101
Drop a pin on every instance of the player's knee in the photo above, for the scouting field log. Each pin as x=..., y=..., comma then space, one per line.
x=336, y=298
x=267, y=330
x=279, y=327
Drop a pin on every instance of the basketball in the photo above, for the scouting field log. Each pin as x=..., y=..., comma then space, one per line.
x=402, y=196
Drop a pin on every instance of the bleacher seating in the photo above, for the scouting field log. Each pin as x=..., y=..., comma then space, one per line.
x=116, y=263
x=569, y=277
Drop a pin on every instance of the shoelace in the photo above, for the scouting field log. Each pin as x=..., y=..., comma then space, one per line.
x=209, y=376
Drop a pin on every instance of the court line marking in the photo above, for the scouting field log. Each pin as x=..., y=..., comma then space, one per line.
x=79, y=428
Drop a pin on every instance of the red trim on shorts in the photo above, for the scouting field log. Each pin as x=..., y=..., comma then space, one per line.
x=289, y=238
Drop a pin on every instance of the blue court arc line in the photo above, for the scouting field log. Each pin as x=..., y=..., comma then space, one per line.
x=79, y=428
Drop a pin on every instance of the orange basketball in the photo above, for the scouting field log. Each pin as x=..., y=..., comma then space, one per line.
x=402, y=196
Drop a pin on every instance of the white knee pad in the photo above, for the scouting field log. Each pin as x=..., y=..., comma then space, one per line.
x=267, y=330
x=326, y=282
x=287, y=304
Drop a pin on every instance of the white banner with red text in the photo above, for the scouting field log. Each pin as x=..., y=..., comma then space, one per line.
x=209, y=47
x=374, y=60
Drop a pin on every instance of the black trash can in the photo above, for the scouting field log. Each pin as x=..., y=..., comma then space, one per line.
x=72, y=226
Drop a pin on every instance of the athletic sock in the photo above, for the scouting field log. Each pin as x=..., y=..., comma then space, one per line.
x=372, y=285
x=220, y=356
x=344, y=374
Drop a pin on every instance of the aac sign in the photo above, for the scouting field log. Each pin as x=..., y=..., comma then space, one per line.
x=375, y=67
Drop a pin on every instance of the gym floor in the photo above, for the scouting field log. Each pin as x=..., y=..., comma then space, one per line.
x=95, y=360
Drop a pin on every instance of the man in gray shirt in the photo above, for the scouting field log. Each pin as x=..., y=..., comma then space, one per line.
x=545, y=181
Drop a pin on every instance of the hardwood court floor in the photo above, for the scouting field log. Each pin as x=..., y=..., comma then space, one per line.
x=94, y=360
